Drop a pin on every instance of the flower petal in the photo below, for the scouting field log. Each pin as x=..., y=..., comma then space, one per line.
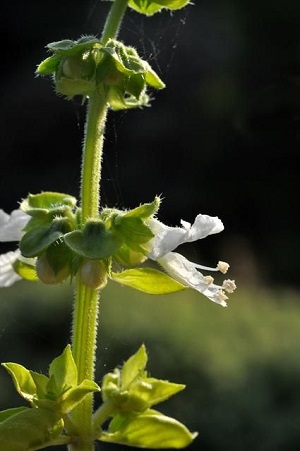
x=203, y=226
x=182, y=270
x=11, y=226
x=167, y=239
x=8, y=276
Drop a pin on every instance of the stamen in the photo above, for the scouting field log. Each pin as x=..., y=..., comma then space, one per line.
x=221, y=295
x=229, y=286
x=208, y=280
x=206, y=268
x=222, y=267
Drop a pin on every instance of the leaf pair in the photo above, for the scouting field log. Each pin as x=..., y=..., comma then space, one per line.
x=51, y=399
x=59, y=392
x=131, y=393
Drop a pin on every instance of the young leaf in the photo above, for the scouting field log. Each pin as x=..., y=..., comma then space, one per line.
x=41, y=381
x=148, y=430
x=133, y=367
x=22, y=379
x=64, y=371
x=148, y=280
x=72, y=397
x=4, y=414
x=29, y=429
x=153, y=391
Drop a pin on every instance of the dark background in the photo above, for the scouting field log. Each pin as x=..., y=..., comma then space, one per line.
x=221, y=139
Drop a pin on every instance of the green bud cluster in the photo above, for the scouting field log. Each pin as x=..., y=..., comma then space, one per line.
x=113, y=70
x=61, y=247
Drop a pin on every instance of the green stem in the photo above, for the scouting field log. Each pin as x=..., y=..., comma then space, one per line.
x=92, y=156
x=85, y=318
x=102, y=414
x=114, y=20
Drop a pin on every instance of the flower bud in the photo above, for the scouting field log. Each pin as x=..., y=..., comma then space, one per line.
x=93, y=274
x=47, y=274
x=78, y=66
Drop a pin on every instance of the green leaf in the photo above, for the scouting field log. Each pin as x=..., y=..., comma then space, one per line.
x=130, y=390
x=29, y=428
x=154, y=391
x=148, y=280
x=41, y=381
x=22, y=379
x=95, y=242
x=150, y=7
x=72, y=397
x=64, y=371
x=9, y=412
x=148, y=430
x=133, y=367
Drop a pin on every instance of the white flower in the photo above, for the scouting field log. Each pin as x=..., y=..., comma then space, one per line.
x=167, y=239
x=8, y=276
x=11, y=229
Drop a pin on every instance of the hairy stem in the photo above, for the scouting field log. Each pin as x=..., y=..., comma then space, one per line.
x=114, y=20
x=92, y=157
x=85, y=318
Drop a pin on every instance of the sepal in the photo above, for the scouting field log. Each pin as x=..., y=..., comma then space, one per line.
x=40, y=205
x=26, y=270
x=94, y=242
x=39, y=238
x=126, y=76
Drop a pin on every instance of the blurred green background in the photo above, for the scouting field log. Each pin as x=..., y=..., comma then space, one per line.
x=222, y=139
x=241, y=365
